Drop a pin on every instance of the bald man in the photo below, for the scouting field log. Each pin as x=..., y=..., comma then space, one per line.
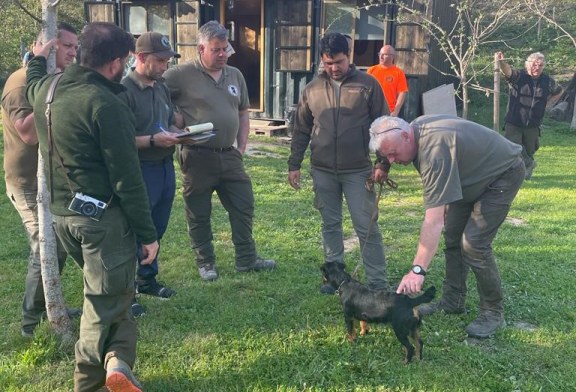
x=391, y=78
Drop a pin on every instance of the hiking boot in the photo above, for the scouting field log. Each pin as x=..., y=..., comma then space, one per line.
x=74, y=312
x=327, y=289
x=137, y=309
x=155, y=289
x=259, y=265
x=119, y=377
x=27, y=332
x=529, y=170
x=431, y=308
x=485, y=325
x=208, y=273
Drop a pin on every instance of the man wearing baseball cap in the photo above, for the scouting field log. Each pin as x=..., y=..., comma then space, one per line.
x=157, y=44
x=156, y=122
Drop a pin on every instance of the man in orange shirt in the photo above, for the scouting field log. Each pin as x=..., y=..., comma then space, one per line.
x=391, y=78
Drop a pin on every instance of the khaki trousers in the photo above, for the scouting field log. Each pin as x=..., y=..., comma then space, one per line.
x=33, y=305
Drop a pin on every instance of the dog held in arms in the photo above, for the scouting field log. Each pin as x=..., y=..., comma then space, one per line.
x=366, y=305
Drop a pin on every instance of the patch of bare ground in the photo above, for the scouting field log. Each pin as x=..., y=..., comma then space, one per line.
x=515, y=221
x=351, y=243
x=524, y=326
x=260, y=149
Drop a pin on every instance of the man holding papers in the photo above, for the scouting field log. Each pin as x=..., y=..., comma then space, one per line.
x=149, y=100
x=209, y=90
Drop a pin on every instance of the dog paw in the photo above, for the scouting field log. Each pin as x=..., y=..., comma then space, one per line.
x=364, y=328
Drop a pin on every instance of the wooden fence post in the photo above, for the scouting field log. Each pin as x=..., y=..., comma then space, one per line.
x=496, y=124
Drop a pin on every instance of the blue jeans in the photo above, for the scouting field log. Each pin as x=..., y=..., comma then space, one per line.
x=160, y=181
x=328, y=190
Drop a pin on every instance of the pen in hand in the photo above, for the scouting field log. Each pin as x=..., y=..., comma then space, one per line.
x=160, y=127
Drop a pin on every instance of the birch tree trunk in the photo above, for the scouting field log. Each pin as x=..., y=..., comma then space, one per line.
x=496, y=117
x=573, y=124
x=55, y=307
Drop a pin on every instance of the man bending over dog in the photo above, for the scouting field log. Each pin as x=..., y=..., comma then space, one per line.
x=334, y=116
x=470, y=175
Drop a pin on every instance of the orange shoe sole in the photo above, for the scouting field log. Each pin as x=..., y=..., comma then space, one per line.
x=119, y=382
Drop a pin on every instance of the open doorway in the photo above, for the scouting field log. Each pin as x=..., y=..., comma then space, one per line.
x=243, y=19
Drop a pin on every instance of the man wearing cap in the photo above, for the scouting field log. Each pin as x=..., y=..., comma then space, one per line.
x=156, y=124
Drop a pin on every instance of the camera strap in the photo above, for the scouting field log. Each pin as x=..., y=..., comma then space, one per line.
x=52, y=150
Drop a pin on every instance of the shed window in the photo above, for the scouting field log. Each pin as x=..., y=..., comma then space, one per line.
x=294, y=31
x=100, y=11
x=139, y=19
x=366, y=22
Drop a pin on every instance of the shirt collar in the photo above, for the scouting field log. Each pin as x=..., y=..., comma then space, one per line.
x=138, y=79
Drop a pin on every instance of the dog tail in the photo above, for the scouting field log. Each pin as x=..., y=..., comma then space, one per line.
x=426, y=297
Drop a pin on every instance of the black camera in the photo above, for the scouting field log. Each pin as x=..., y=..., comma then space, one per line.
x=87, y=206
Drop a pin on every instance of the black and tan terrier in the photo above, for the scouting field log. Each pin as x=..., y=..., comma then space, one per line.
x=378, y=306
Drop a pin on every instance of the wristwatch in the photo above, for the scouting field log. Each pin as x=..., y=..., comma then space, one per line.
x=418, y=270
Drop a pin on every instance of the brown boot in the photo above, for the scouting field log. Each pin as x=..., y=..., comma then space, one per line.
x=486, y=325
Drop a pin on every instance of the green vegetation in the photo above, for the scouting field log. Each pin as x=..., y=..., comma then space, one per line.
x=20, y=29
x=275, y=332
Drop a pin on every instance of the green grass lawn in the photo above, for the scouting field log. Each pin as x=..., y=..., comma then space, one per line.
x=275, y=332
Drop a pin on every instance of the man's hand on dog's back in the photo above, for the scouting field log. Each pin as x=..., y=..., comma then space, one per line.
x=411, y=283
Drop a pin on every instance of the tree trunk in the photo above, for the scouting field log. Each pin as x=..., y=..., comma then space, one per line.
x=496, y=117
x=55, y=307
x=465, y=100
x=573, y=124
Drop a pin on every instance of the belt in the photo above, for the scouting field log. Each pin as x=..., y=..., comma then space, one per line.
x=206, y=148
x=156, y=162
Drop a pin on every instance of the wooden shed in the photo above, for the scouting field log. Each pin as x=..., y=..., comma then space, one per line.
x=276, y=41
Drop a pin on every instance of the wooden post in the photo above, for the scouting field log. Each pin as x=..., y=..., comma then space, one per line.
x=496, y=125
x=55, y=308
x=573, y=124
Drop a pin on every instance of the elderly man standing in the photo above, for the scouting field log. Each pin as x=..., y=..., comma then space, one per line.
x=391, y=78
x=530, y=90
x=21, y=167
x=470, y=175
x=333, y=117
x=209, y=90
x=99, y=199
x=149, y=98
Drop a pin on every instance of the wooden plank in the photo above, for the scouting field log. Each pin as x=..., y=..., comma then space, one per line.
x=268, y=130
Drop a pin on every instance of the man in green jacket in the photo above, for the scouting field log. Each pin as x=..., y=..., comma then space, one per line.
x=99, y=199
x=333, y=116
